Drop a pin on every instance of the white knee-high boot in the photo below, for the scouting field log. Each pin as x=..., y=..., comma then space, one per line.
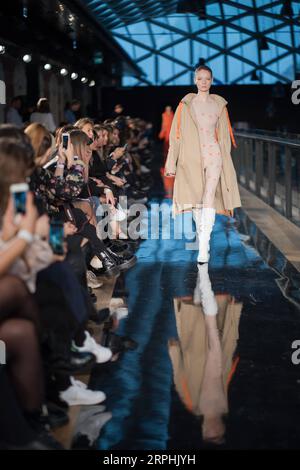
x=203, y=293
x=197, y=219
x=207, y=220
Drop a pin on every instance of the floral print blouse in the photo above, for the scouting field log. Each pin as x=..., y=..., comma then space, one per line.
x=55, y=190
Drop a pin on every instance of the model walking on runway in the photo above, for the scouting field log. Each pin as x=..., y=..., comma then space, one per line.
x=199, y=158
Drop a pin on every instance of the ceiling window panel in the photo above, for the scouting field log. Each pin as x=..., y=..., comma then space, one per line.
x=234, y=37
x=184, y=79
x=217, y=66
x=249, y=51
x=166, y=69
x=186, y=39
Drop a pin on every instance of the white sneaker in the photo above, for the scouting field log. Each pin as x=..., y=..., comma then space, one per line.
x=101, y=353
x=118, y=215
x=96, y=263
x=77, y=395
x=92, y=280
x=116, y=302
x=120, y=313
x=78, y=383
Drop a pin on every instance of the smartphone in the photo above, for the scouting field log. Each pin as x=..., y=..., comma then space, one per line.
x=19, y=192
x=65, y=140
x=56, y=237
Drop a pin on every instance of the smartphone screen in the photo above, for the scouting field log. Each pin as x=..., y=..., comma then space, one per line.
x=19, y=194
x=65, y=140
x=56, y=237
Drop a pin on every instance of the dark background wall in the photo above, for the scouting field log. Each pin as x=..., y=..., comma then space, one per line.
x=246, y=103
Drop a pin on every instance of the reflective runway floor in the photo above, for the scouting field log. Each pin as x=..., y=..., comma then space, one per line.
x=213, y=363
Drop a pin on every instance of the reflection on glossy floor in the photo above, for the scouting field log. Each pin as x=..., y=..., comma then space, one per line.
x=213, y=365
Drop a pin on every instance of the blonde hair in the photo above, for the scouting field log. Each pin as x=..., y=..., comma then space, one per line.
x=41, y=139
x=80, y=141
x=83, y=121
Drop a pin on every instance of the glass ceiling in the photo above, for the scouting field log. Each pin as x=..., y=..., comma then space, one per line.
x=249, y=41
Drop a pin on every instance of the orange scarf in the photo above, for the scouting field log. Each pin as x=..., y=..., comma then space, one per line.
x=228, y=121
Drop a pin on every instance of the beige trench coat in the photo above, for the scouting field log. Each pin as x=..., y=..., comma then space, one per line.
x=184, y=160
x=189, y=353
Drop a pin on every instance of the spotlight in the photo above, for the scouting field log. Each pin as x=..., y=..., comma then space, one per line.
x=63, y=72
x=92, y=83
x=84, y=80
x=47, y=67
x=2, y=49
x=27, y=58
x=74, y=76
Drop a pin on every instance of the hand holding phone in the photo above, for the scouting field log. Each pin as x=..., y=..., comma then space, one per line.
x=118, y=153
x=19, y=194
x=28, y=220
x=65, y=140
x=56, y=237
x=9, y=227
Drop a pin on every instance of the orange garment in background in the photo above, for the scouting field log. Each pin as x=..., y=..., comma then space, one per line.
x=166, y=124
x=168, y=184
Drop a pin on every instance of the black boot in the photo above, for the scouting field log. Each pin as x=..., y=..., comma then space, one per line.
x=87, y=253
x=119, y=246
x=110, y=266
x=125, y=260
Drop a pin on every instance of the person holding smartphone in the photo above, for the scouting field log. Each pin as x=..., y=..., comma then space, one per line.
x=63, y=180
x=20, y=234
x=66, y=157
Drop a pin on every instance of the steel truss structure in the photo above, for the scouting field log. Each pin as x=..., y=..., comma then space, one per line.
x=247, y=41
